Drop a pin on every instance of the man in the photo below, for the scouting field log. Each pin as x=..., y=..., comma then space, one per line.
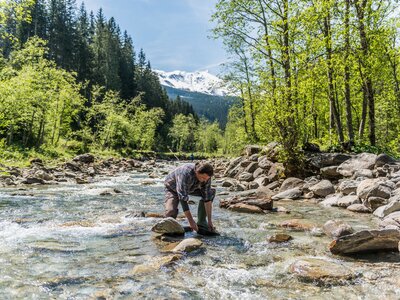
x=191, y=179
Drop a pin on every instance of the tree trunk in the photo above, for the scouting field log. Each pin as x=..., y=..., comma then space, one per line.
x=349, y=118
x=244, y=110
x=331, y=95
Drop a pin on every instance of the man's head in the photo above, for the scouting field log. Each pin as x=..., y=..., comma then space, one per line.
x=204, y=171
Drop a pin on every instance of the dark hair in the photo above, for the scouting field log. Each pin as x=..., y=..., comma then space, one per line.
x=204, y=167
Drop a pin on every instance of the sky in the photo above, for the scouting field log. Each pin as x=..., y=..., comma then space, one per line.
x=173, y=33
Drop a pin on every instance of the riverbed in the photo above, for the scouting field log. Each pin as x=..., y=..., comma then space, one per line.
x=67, y=242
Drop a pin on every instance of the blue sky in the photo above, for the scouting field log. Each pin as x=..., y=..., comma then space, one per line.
x=173, y=33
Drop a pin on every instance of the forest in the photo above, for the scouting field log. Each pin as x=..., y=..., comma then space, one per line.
x=321, y=73
x=313, y=72
x=72, y=82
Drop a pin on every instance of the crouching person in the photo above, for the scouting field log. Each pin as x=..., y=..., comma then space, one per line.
x=195, y=180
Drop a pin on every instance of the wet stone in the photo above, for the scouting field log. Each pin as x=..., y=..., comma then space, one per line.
x=297, y=224
x=168, y=226
x=279, y=238
x=188, y=245
x=321, y=271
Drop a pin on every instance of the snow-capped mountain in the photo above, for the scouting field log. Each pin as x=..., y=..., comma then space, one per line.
x=201, y=81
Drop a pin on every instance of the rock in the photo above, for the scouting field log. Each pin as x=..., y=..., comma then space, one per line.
x=188, y=245
x=387, y=209
x=297, y=224
x=337, y=228
x=251, y=167
x=383, y=159
x=331, y=200
x=348, y=200
x=252, y=185
x=168, y=226
x=321, y=271
x=261, y=181
x=322, y=160
x=273, y=149
x=280, y=238
x=359, y=208
x=246, y=177
x=80, y=180
x=249, y=150
x=43, y=175
x=86, y=158
x=228, y=183
x=360, y=161
x=272, y=185
x=374, y=188
x=363, y=173
x=148, y=181
x=156, y=264
x=290, y=183
x=258, y=172
x=323, y=188
x=288, y=194
x=391, y=221
x=32, y=180
x=245, y=208
x=110, y=191
x=374, y=202
x=348, y=186
x=263, y=203
x=330, y=172
x=36, y=161
x=264, y=163
x=366, y=241
x=275, y=172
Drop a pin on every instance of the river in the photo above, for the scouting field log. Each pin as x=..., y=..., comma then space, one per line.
x=67, y=242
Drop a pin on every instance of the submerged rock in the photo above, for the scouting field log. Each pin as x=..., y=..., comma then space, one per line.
x=246, y=208
x=298, y=224
x=168, y=226
x=156, y=264
x=321, y=271
x=366, y=241
x=337, y=228
x=188, y=245
x=280, y=238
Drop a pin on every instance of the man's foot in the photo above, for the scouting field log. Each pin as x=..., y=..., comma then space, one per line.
x=204, y=231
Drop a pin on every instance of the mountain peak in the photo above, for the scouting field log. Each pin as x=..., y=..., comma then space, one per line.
x=199, y=81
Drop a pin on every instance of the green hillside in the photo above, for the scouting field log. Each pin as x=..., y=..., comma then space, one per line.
x=211, y=107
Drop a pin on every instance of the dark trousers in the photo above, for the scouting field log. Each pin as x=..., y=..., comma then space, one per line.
x=171, y=203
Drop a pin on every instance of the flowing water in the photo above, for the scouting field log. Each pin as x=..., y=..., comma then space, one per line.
x=67, y=242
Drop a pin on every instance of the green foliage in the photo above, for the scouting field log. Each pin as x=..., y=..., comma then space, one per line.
x=183, y=132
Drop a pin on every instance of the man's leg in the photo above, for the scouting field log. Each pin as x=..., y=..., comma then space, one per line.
x=201, y=210
x=171, y=203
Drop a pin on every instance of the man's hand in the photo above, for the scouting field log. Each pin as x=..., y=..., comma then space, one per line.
x=211, y=226
x=191, y=221
x=193, y=225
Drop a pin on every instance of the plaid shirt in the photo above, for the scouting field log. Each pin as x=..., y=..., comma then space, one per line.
x=183, y=182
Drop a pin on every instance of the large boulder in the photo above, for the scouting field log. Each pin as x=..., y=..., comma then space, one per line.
x=323, y=188
x=251, y=167
x=391, y=221
x=264, y=163
x=387, y=209
x=348, y=186
x=290, y=183
x=384, y=159
x=360, y=161
x=330, y=172
x=293, y=193
x=366, y=241
x=359, y=208
x=322, y=160
x=86, y=158
x=245, y=177
x=363, y=173
x=168, y=226
x=337, y=228
x=374, y=188
x=262, y=181
x=348, y=200
x=374, y=202
x=321, y=271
